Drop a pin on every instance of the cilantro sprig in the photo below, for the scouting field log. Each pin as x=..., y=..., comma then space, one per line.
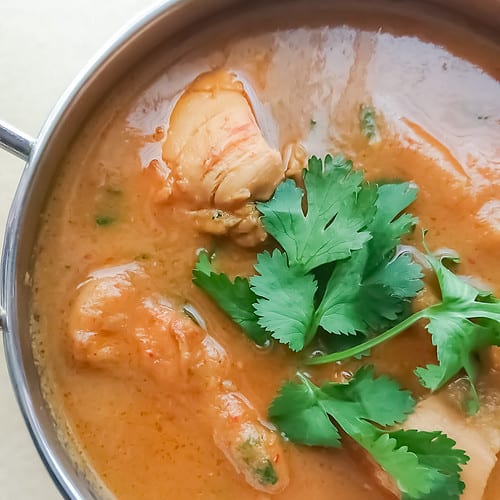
x=336, y=269
x=372, y=289
x=234, y=297
x=422, y=464
x=464, y=322
x=337, y=272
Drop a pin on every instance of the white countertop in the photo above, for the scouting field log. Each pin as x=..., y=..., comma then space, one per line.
x=43, y=45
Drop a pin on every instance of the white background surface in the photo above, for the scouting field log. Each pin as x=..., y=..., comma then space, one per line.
x=43, y=45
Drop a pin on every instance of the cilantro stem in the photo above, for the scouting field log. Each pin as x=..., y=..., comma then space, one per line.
x=489, y=310
x=472, y=403
x=310, y=386
x=311, y=331
x=359, y=349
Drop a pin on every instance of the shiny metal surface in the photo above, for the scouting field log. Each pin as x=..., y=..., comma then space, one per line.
x=170, y=21
x=132, y=43
x=14, y=141
x=3, y=319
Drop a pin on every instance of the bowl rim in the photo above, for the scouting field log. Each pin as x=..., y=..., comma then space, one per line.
x=9, y=320
x=9, y=326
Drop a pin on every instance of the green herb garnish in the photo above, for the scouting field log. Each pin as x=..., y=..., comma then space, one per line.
x=338, y=272
x=336, y=268
x=339, y=208
x=372, y=289
x=337, y=280
x=464, y=322
x=423, y=464
x=235, y=298
x=267, y=473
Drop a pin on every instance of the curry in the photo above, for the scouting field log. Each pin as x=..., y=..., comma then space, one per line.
x=155, y=389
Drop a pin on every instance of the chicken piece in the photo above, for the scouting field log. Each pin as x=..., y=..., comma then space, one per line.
x=242, y=225
x=117, y=323
x=216, y=151
x=491, y=358
x=252, y=447
x=219, y=161
x=479, y=436
x=113, y=326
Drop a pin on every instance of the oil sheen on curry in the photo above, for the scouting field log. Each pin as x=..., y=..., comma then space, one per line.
x=247, y=281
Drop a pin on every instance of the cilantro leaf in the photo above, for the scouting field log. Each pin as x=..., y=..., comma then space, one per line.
x=236, y=298
x=462, y=325
x=436, y=450
x=285, y=304
x=372, y=289
x=388, y=226
x=423, y=464
x=338, y=210
x=298, y=413
x=364, y=397
x=386, y=293
x=339, y=309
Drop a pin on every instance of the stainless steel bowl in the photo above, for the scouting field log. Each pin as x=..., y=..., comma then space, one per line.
x=170, y=20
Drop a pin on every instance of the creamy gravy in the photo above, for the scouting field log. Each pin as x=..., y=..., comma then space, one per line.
x=436, y=90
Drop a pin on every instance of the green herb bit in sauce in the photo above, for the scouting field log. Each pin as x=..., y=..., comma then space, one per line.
x=252, y=454
x=368, y=123
x=104, y=220
x=266, y=473
x=115, y=191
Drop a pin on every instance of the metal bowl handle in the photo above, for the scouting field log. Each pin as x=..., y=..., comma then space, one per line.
x=20, y=144
x=14, y=141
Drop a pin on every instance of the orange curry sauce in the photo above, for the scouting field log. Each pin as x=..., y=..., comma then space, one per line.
x=435, y=88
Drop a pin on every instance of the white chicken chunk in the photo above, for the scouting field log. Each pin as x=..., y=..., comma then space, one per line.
x=219, y=162
x=478, y=436
x=216, y=151
x=118, y=324
x=491, y=358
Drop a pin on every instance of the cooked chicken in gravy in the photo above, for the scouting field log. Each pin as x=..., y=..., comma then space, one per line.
x=157, y=392
x=482, y=442
x=214, y=147
x=112, y=326
x=218, y=157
